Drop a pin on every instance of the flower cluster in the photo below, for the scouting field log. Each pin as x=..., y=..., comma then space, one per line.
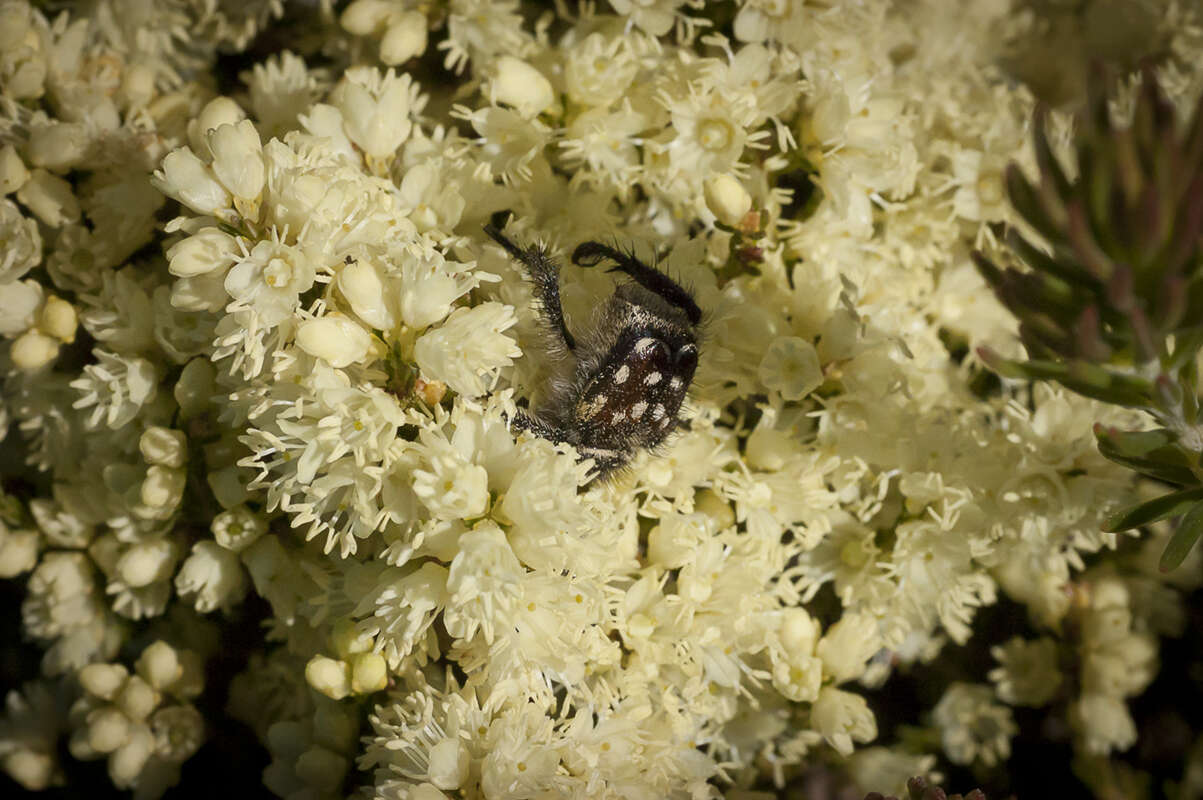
x=276, y=377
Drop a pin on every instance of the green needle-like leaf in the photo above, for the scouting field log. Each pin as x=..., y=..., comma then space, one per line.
x=1164, y=507
x=1180, y=544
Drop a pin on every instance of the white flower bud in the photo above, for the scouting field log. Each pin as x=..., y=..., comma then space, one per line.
x=126, y=762
x=50, y=198
x=103, y=680
x=334, y=338
x=147, y=562
x=238, y=164
x=449, y=763
x=360, y=283
x=365, y=17
x=1109, y=593
x=33, y=770
x=321, y=769
x=207, y=250
x=163, y=486
x=137, y=86
x=768, y=448
x=185, y=177
x=13, y=173
x=58, y=146
x=347, y=640
x=405, y=38
x=727, y=199
x=217, y=112
x=331, y=678
x=33, y=349
x=369, y=673
x=19, y=304
x=108, y=729
x=521, y=86
x=18, y=551
x=58, y=319
x=137, y=698
x=799, y=631
x=160, y=665
x=195, y=387
x=165, y=446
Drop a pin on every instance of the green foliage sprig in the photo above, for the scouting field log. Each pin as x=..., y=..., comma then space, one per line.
x=1111, y=307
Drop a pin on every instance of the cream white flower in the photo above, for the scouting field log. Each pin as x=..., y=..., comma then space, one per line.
x=654, y=16
x=18, y=550
x=429, y=285
x=281, y=87
x=401, y=607
x=219, y=111
x=973, y=728
x=50, y=198
x=186, y=178
x=13, y=172
x=211, y=577
x=483, y=577
x=238, y=164
x=1103, y=722
x=791, y=366
x=270, y=278
x=1027, y=674
x=598, y=70
x=21, y=241
x=376, y=110
x=115, y=388
x=432, y=201
x=452, y=488
x=842, y=718
x=469, y=348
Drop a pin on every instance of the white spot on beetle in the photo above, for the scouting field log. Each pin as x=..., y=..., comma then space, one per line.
x=593, y=407
x=652, y=378
x=638, y=409
x=623, y=373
